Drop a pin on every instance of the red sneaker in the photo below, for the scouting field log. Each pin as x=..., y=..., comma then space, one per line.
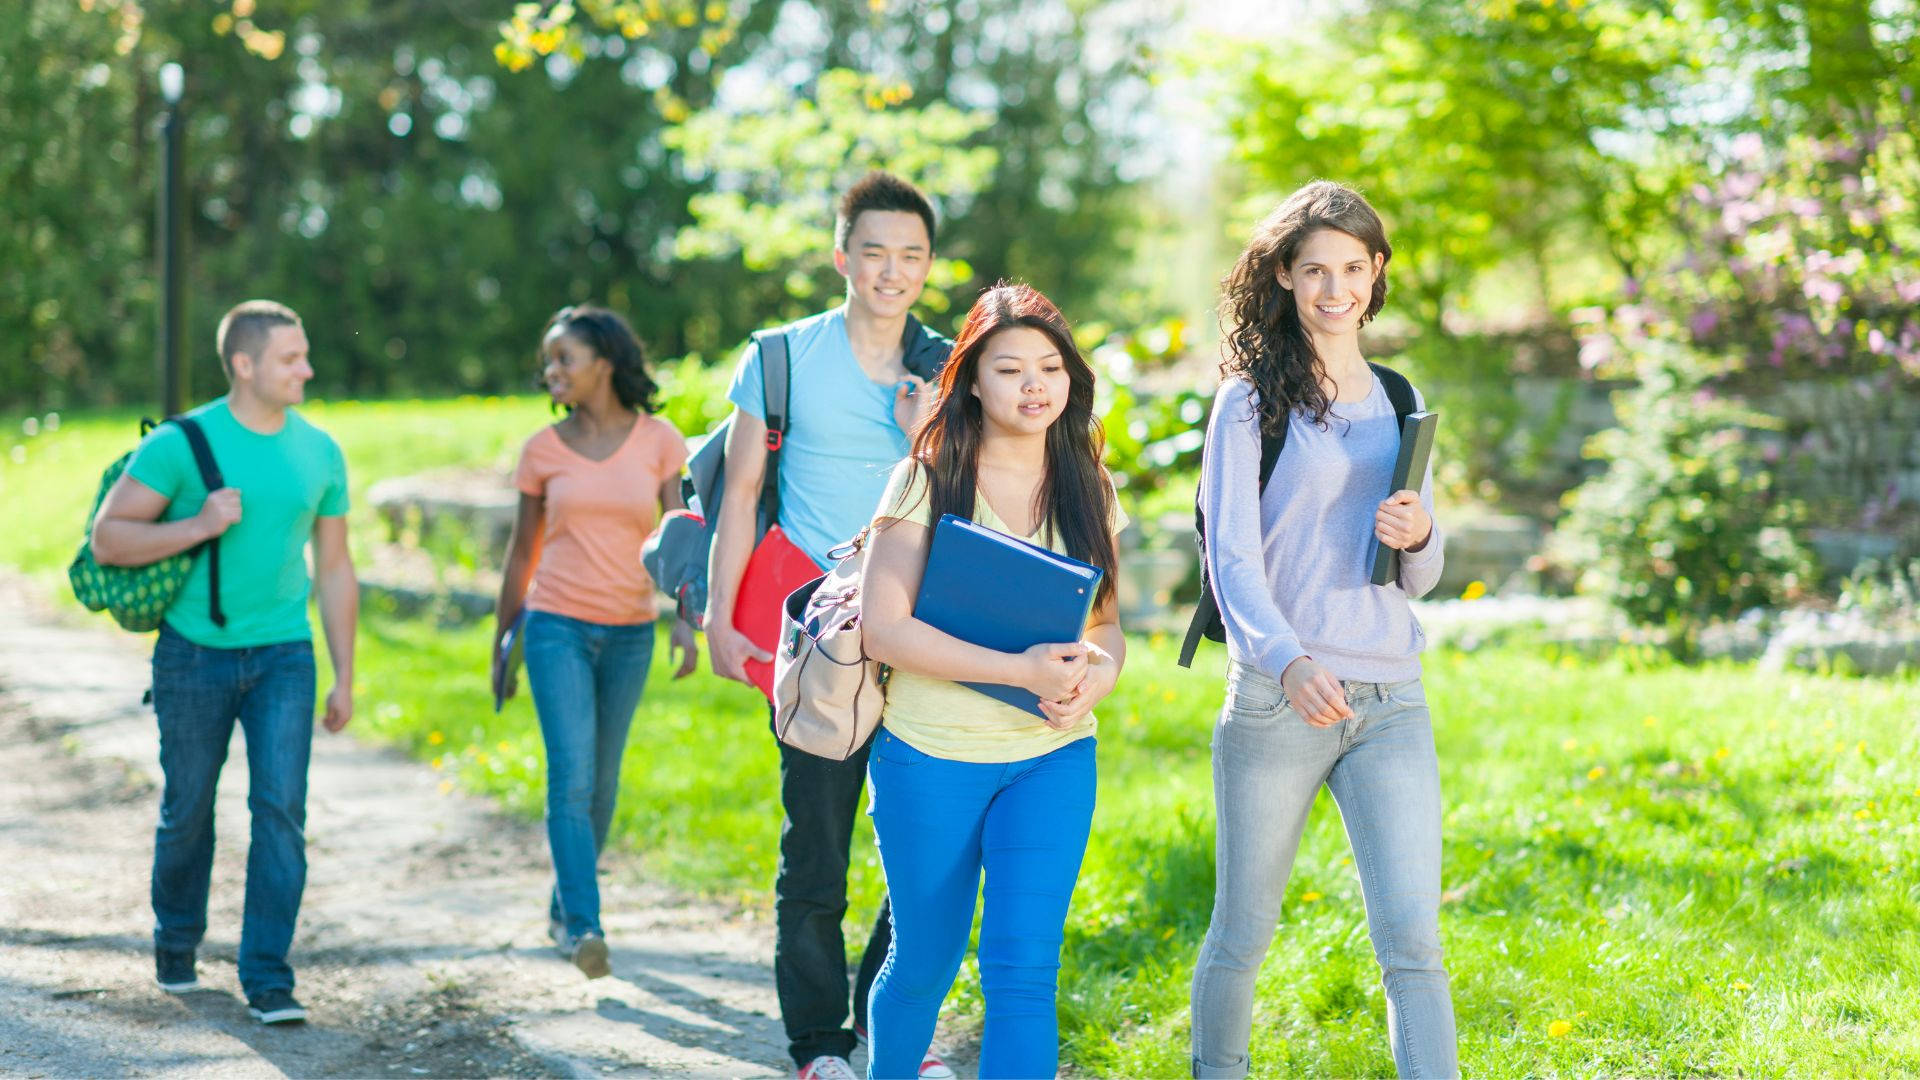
x=931, y=1067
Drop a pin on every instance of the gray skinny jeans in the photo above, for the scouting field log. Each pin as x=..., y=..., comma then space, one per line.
x=1268, y=765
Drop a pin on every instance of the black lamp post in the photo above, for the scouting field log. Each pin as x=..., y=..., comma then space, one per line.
x=173, y=381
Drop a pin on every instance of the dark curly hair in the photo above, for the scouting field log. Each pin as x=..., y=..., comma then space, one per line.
x=609, y=336
x=1263, y=339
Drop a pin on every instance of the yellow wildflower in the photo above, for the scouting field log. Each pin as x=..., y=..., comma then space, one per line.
x=1559, y=1029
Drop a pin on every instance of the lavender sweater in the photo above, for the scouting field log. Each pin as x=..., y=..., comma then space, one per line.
x=1291, y=569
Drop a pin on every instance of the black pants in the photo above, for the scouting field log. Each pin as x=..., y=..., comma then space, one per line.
x=820, y=798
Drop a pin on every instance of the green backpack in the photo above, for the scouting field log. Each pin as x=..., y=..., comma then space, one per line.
x=138, y=596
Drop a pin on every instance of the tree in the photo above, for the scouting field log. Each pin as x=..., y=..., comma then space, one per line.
x=1064, y=82
x=776, y=166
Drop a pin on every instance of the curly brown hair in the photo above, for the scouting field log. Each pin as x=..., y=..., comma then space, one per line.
x=1264, y=341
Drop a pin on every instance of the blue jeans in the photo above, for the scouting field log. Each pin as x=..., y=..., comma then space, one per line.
x=939, y=823
x=586, y=679
x=198, y=692
x=1268, y=765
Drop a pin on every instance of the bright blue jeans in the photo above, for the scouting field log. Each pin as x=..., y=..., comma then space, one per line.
x=586, y=679
x=198, y=692
x=939, y=823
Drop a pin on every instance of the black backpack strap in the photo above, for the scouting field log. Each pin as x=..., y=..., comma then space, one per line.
x=775, y=368
x=1206, y=614
x=210, y=476
x=1207, y=610
x=1399, y=392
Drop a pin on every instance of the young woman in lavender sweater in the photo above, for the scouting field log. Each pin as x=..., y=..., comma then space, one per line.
x=1323, y=680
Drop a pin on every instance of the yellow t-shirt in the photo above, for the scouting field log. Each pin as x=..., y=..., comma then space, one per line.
x=946, y=719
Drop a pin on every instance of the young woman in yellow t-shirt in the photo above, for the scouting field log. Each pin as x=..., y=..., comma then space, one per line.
x=962, y=782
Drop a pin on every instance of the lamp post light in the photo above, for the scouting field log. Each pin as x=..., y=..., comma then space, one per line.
x=173, y=389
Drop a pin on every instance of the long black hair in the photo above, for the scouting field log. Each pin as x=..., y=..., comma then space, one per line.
x=1075, y=498
x=609, y=336
x=1264, y=341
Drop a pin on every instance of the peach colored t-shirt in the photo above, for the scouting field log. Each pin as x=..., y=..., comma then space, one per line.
x=597, y=515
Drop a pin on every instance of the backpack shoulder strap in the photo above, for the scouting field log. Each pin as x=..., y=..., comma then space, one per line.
x=775, y=368
x=922, y=351
x=1207, y=613
x=1399, y=390
x=202, y=451
x=1270, y=447
x=210, y=476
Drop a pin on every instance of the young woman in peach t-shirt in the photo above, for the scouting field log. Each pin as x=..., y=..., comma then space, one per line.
x=592, y=487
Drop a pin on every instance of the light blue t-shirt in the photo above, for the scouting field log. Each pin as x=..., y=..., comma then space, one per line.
x=841, y=443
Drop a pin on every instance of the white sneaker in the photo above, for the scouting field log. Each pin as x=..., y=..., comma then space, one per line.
x=828, y=1067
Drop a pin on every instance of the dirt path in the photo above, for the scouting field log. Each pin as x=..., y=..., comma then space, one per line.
x=421, y=948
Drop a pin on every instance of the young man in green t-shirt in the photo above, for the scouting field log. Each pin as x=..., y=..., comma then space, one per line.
x=250, y=657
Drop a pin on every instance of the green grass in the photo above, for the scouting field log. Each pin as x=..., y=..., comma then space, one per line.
x=57, y=473
x=1700, y=870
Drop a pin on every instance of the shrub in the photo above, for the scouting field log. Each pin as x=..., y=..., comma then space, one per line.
x=1685, y=526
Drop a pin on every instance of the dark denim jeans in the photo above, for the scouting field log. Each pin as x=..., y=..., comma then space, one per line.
x=586, y=679
x=820, y=799
x=197, y=694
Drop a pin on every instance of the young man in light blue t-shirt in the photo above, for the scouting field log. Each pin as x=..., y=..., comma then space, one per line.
x=248, y=656
x=851, y=402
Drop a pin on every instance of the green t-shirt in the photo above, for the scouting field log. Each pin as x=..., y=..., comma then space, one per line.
x=286, y=480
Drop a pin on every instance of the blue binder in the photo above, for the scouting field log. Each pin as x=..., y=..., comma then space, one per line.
x=1002, y=593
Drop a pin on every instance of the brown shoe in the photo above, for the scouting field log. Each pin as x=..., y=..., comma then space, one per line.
x=590, y=955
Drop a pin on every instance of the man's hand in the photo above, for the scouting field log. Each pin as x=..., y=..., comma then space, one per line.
x=1314, y=693
x=339, y=707
x=728, y=650
x=220, y=512
x=681, y=643
x=1401, y=522
x=911, y=402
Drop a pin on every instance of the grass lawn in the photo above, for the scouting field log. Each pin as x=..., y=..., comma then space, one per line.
x=1651, y=869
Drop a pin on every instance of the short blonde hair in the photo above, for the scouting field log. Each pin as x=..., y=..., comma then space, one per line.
x=245, y=327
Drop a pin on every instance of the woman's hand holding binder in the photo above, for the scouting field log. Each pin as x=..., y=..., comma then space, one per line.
x=1053, y=670
x=1401, y=522
x=1102, y=674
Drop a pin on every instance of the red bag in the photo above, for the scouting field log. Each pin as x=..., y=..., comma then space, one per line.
x=776, y=568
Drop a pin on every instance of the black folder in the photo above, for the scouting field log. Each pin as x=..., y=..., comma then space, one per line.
x=1416, y=446
x=1003, y=593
